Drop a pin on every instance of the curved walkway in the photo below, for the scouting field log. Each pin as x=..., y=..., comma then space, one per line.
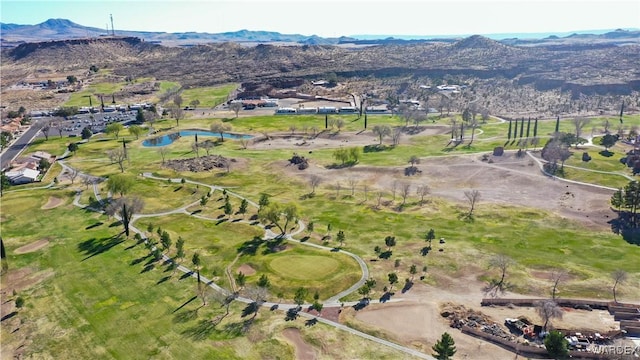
x=330, y=302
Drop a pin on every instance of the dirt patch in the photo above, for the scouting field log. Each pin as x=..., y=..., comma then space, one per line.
x=304, y=351
x=19, y=279
x=34, y=246
x=53, y=202
x=246, y=270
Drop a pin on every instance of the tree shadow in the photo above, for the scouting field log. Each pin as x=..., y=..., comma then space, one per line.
x=606, y=153
x=139, y=260
x=201, y=331
x=385, y=255
x=186, y=275
x=363, y=303
x=623, y=225
x=311, y=322
x=221, y=221
x=196, y=212
x=304, y=239
x=147, y=268
x=94, y=225
x=185, y=316
x=407, y=286
x=292, y=314
x=386, y=297
x=251, y=308
x=185, y=303
x=9, y=316
x=165, y=278
x=93, y=246
x=425, y=250
x=250, y=247
x=115, y=224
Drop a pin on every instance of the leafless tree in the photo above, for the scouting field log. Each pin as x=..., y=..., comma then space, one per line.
x=352, y=184
x=339, y=124
x=606, y=125
x=117, y=156
x=177, y=113
x=619, y=277
x=338, y=187
x=579, y=123
x=365, y=190
x=404, y=191
x=472, y=196
x=496, y=286
x=45, y=128
x=395, y=136
x=207, y=145
x=557, y=276
x=381, y=131
x=163, y=152
x=87, y=180
x=379, y=196
x=244, y=143
x=59, y=127
x=474, y=125
x=454, y=128
x=422, y=191
x=73, y=174
x=125, y=208
x=196, y=149
x=314, y=181
x=547, y=310
x=292, y=128
x=235, y=107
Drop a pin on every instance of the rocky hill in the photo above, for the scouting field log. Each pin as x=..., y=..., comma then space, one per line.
x=587, y=70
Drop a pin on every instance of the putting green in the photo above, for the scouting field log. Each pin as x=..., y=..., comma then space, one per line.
x=304, y=267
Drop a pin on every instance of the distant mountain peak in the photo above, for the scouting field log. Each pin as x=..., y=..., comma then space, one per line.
x=58, y=24
x=476, y=42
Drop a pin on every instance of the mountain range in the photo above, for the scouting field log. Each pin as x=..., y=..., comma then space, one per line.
x=60, y=29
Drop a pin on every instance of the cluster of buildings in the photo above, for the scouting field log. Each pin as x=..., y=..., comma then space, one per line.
x=26, y=170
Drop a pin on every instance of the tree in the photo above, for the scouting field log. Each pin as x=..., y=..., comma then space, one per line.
x=502, y=263
x=86, y=133
x=393, y=278
x=5, y=139
x=73, y=174
x=45, y=128
x=263, y=282
x=619, y=277
x=608, y=141
x=445, y=348
x=177, y=113
x=72, y=79
x=557, y=276
x=557, y=346
x=120, y=183
x=73, y=147
x=340, y=237
x=180, y=248
x=114, y=128
x=163, y=151
x=273, y=214
x=241, y=279
x=547, y=310
x=4, y=183
x=117, y=156
x=43, y=164
x=300, y=295
x=629, y=198
x=404, y=192
x=125, y=208
x=140, y=116
x=243, y=207
x=235, y=107
x=579, y=123
x=197, y=264
x=353, y=182
x=264, y=200
x=194, y=103
x=390, y=241
x=220, y=127
x=19, y=302
x=431, y=235
x=413, y=270
x=472, y=196
x=314, y=181
x=395, y=136
x=381, y=131
x=165, y=241
x=341, y=155
x=228, y=209
x=135, y=130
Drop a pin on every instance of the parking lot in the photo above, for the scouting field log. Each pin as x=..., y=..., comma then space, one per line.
x=72, y=126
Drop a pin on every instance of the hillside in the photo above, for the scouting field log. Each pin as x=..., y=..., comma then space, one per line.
x=592, y=70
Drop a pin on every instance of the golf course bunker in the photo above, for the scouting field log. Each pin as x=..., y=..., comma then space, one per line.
x=53, y=202
x=246, y=269
x=304, y=267
x=34, y=246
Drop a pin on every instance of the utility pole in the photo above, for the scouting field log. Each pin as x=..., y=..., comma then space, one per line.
x=113, y=32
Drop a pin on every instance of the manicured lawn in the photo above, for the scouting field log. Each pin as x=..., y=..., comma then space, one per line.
x=210, y=96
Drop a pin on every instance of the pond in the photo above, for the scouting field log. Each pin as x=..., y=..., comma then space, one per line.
x=170, y=138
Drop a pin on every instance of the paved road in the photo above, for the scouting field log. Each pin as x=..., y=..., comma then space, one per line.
x=18, y=145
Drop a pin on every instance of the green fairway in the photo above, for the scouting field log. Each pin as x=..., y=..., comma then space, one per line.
x=208, y=97
x=304, y=267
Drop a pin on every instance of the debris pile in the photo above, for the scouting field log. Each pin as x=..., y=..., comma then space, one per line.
x=460, y=316
x=198, y=164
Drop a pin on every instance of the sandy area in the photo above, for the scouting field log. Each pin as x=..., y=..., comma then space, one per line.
x=246, y=270
x=53, y=202
x=34, y=246
x=303, y=350
x=416, y=320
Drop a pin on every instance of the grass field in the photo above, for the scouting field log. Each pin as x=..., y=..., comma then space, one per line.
x=97, y=285
x=208, y=97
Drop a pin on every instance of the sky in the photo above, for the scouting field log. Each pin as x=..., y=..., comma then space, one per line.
x=331, y=18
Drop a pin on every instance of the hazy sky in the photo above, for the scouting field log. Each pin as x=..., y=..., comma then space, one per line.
x=335, y=17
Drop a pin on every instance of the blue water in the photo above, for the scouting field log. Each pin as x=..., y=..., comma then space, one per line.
x=170, y=138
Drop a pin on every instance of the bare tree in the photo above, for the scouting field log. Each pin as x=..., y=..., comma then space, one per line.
x=338, y=187
x=45, y=128
x=196, y=149
x=547, y=310
x=117, y=156
x=606, y=125
x=557, y=276
x=473, y=196
x=163, y=152
x=495, y=286
x=422, y=191
x=395, y=136
x=73, y=174
x=235, y=107
x=87, y=180
x=59, y=127
x=125, y=208
x=379, y=196
x=177, y=113
x=365, y=190
x=244, y=143
x=381, y=131
x=579, y=123
x=394, y=188
x=314, y=181
x=352, y=184
x=207, y=145
x=619, y=277
x=404, y=192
